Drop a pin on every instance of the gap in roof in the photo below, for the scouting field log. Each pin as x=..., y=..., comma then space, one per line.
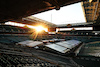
x=66, y=15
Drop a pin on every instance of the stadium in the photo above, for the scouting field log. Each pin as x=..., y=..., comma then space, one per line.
x=28, y=41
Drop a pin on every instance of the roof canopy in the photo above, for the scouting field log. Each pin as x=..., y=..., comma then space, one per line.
x=12, y=10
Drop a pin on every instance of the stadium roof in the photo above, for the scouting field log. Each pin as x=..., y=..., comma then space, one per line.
x=90, y=24
x=12, y=10
x=91, y=10
x=30, y=20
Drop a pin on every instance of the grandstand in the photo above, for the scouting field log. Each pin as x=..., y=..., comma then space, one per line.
x=13, y=39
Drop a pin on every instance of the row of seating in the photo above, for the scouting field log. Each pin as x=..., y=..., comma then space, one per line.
x=93, y=45
x=79, y=33
x=13, y=38
x=87, y=61
x=85, y=39
x=13, y=29
x=8, y=39
x=22, y=61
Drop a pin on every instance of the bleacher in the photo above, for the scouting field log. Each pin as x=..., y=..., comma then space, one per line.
x=16, y=55
x=12, y=55
x=9, y=60
x=91, y=49
x=84, y=39
x=13, y=29
x=12, y=38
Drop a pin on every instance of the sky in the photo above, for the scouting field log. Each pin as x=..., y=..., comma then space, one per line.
x=66, y=15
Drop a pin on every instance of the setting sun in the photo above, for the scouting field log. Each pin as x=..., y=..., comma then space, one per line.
x=40, y=28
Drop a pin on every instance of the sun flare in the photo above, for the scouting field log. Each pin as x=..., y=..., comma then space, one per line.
x=40, y=28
